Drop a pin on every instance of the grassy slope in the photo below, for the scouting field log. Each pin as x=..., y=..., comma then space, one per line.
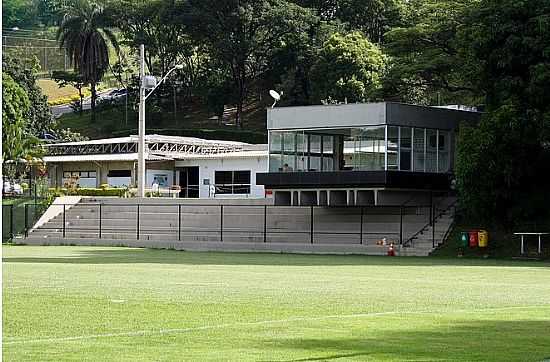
x=92, y=303
x=51, y=89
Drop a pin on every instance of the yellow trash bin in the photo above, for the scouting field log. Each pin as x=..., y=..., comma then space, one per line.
x=483, y=238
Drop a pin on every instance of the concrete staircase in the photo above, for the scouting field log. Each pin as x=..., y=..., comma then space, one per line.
x=432, y=236
x=235, y=225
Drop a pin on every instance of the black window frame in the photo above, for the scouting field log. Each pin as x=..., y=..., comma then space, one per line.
x=232, y=188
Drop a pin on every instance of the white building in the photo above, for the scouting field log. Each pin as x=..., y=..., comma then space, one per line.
x=197, y=167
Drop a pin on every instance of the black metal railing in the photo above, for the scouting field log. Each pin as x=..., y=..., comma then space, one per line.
x=16, y=217
x=259, y=221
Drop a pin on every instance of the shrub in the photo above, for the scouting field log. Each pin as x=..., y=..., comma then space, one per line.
x=85, y=191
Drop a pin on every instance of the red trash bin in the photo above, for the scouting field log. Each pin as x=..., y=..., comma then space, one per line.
x=473, y=238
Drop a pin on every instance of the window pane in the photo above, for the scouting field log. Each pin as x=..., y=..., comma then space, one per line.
x=443, y=149
x=84, y=174
x=405, y=160
x=288, y=162
x=328, y=144
x=241, y=177
x=431, y=150
x=328, y=163
x=289, y=143
x=301, y=143
x=275, y=164
x=92, y=174
x=314, y=143
x=67, y=174
x=405, y=137
x=364, y=149
x=393, y=138
x=314, y=163
x=119, y=173
x=418, y=149
x=223, y=177
x=275, y=139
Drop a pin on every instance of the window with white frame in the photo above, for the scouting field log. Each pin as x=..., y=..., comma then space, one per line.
x=232, y=182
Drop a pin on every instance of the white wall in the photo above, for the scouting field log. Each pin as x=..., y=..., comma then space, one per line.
x=208, y=166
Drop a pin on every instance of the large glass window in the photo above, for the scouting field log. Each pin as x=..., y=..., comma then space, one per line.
x=232, y=182
x=361, y=148
x=364, y=149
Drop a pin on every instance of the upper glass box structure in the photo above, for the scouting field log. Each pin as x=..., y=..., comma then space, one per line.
x=363, y=137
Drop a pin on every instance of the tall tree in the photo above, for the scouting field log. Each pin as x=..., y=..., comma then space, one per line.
x=86, y=34
x=243, y=34
x=348, y=67
x=429, y=55
x=24, y=73
x=372, y=17
x=17, y=143
x=503, y=163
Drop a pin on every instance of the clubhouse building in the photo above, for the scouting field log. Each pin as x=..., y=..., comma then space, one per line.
x=361, y=154
x=352, y=154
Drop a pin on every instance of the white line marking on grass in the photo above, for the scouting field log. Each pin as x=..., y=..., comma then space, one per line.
x=230, y=325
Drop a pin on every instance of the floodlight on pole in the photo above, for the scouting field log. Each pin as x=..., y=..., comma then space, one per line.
x=146, y=82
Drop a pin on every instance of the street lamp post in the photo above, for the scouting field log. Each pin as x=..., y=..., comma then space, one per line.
x=146, y=82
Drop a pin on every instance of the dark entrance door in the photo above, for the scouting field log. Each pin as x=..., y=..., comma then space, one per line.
x=189, y=182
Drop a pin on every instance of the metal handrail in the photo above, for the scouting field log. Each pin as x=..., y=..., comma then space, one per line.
x=409, y=241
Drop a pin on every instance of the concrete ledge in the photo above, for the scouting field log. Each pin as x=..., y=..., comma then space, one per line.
x=270, y=247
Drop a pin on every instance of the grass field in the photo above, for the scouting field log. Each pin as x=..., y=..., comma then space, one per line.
x=120, y=304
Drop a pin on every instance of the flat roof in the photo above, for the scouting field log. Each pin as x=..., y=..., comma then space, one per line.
x=149, y=139
x=366, y=114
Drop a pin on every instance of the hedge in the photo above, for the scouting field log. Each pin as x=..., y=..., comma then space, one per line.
x=85, y=191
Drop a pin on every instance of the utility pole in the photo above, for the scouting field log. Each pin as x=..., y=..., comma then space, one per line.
x=141, y=124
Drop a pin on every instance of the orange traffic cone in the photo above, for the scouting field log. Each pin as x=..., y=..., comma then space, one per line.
x=391, y=250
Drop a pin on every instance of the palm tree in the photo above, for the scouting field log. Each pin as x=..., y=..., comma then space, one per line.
x=85, y=34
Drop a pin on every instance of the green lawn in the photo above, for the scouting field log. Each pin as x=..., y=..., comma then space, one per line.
x=120, y=304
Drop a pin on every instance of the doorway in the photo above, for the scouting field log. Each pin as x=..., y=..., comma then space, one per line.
x=189, y=182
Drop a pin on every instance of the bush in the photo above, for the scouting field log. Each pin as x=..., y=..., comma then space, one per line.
x=84, y=191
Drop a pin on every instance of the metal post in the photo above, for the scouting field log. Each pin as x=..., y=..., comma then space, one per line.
x=431, y=208
x=311, y=231
x=137, y=222
x=64, y=220
x=141, y=124
x=221, y=223
x=11, y=221
x=522, y=249
x=265, y=223
x=26, y=220
x=433, y=229
x=401, y=225
x=179, y=222
x=540, y=248
x=100, y=221
x=361, y=227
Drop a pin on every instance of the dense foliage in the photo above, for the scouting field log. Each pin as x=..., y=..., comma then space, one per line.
x=24, y=72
